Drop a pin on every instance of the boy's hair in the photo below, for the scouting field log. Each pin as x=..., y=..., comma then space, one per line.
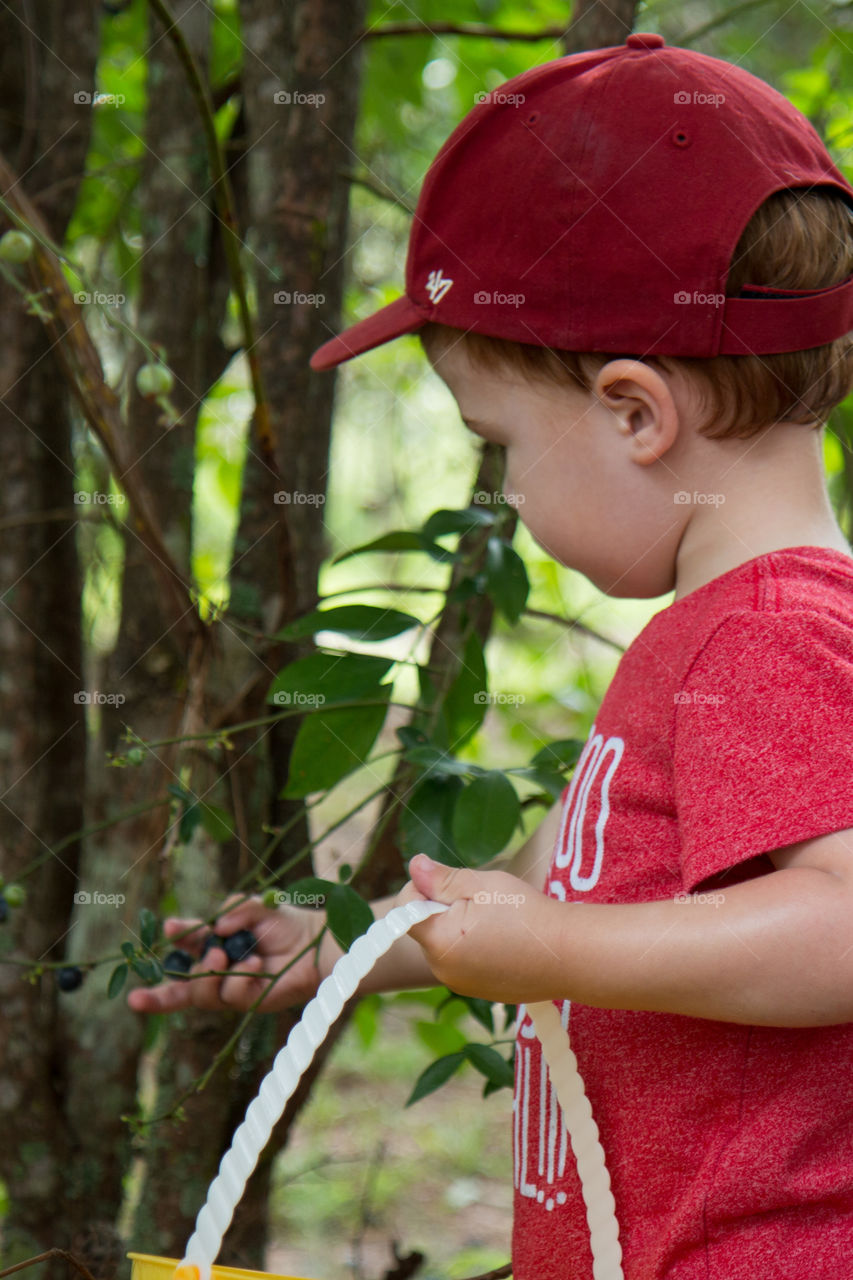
x=797, y=239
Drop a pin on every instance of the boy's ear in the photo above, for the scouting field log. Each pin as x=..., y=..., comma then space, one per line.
x=643, y=405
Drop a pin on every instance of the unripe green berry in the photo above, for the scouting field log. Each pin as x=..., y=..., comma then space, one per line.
x=154, y=380
x=16, y=246
x=15, y=895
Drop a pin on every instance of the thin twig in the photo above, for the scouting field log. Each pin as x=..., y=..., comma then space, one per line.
x=690, y=37
x=44, y=1257
x=573, y=625
x=478, y=30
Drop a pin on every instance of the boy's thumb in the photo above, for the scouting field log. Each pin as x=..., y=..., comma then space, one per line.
x=438, y=882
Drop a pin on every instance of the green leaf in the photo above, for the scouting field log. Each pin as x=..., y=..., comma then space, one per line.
x=348, y=914
x=118, y=977
x=359, y=621
x=128, y=949
x=190, y=818
x=465, y=521
x=479, y=1009
x=217, y=822
x=149, y=927
x=328, y=677
x=466, y=701
x=399, y=540
x=331, y=744
x=484, y=818
x=435, y=1075
x=561, y=754
x=426, y=818
x=547, y=779
x=440, y=1038
x=366, y=1018
x=489, y=1063
x=438, y=763
x=506, y=579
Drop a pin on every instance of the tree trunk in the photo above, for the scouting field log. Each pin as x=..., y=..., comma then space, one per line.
x=43, y=737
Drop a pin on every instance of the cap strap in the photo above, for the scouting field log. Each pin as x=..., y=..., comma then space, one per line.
x=774, y=320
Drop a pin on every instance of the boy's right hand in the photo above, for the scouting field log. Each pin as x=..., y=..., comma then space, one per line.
x=282, y=933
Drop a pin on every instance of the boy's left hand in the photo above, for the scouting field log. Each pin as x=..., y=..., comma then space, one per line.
x=493, y=942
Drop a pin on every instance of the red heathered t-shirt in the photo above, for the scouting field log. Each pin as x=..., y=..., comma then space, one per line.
x=726, y=732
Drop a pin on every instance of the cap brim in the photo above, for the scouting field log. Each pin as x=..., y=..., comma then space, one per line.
x=399, y=317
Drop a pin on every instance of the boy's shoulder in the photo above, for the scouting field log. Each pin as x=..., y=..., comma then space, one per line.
x=798, y=598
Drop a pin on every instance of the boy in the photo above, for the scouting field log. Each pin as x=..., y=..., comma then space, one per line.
x=632, y=267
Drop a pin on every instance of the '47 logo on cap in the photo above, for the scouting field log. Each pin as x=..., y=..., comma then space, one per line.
x=437, y=285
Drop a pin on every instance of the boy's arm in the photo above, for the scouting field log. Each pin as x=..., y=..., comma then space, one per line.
x=405, y=967
x=773, y=951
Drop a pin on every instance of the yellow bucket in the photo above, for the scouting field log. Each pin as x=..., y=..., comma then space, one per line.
x=148, y=1267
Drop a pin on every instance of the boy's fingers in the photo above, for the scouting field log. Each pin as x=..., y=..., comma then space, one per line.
x=174, y=925
x=169, y=998
x=206, y=992
x=241, y=917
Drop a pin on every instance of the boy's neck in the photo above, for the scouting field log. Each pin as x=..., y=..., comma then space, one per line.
x=701, y=559
x=769, y=496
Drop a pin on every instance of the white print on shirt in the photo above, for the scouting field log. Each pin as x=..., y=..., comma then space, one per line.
x=547, y=1149
x=437, y=285
x=570, y=849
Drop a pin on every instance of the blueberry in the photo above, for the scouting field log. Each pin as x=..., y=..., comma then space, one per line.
x=178, y=964
x=240, y=945
x=4, y=910
x=69, y=979
x=212, y=940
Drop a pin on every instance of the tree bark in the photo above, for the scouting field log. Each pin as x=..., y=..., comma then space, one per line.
x=41, y=668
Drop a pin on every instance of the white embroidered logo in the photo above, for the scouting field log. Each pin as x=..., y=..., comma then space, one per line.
x=437, y=285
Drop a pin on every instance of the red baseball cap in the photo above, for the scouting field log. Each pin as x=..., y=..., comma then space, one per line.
x=594, y=204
